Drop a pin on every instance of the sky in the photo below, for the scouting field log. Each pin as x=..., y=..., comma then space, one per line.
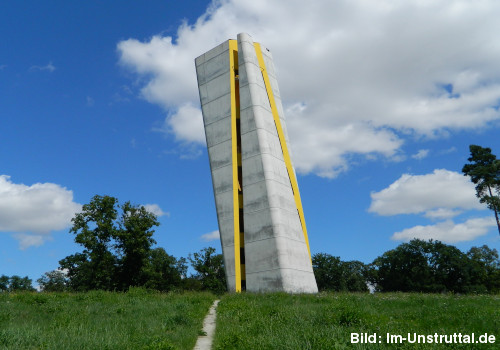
x=382, y=100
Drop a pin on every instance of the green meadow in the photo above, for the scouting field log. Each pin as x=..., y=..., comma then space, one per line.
x=326, y=321
x=102, y=320
x=140, y=319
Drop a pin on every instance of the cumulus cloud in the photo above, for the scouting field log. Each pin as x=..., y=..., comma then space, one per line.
x=32, y=212
x=441, y=194
x=211, y=236
x=155, y=209
x=368, y=74
x=185, y=124
x=448, y=231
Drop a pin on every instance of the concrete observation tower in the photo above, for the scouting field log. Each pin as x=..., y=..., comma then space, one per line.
x=261, y=221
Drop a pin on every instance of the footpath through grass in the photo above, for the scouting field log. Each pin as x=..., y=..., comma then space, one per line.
x=102, y=320
x=326, y=321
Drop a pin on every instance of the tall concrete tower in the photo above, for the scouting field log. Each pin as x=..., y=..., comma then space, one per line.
x=261, y=221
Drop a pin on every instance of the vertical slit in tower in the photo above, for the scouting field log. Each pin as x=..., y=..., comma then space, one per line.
x=239, y=227
x=240, y=182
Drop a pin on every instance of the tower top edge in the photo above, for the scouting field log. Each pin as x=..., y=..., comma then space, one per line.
x=224, y=46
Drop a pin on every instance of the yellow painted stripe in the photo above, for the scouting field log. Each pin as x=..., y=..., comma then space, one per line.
x=281, y=135
x=233, y=49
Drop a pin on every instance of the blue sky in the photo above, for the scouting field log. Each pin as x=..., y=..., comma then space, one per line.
x=382, y=100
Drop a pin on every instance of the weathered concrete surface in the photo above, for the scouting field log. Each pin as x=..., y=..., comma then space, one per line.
x=212, y=69
x=276, y=254
x=204, y=342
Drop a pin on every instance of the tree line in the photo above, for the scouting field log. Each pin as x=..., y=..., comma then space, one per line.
x=417, y=266
x=117, y=253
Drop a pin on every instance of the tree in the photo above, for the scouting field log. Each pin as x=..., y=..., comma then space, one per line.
x=402, y=269
x=15, y=283
x=116, y=247
x=53, y=281
x=164, y=272
x=484, y=172
x=422, y=266
x=335, y=275
x=94, y=229
x=134, y=241
x=328, y=272
x=209, y=269
x=4, y=283
x=355, y=276
x=485, y=269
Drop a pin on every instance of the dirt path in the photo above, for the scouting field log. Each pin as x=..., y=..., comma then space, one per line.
x=204, y=342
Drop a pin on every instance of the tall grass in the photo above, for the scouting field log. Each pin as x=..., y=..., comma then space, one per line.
x=326, y=321
x=102, y=320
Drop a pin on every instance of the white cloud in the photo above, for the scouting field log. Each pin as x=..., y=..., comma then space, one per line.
x=186, y=124
x=441, y=194
x=211, y=236
x=448, y=231
x=369, y=73
x=39, y=208
x=32, y=212
x=155, y=209
x=441, y=213
x=421, y=154
x=49, y=67
x=26, y=241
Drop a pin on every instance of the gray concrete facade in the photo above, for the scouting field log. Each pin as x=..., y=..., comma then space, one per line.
x=261, y=223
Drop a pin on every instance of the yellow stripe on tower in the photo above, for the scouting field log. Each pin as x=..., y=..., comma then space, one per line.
x=284, y=148
x=233, y=64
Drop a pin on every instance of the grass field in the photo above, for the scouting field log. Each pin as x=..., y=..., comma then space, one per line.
x=147, y=320
x=102, y=320
x=326, y=321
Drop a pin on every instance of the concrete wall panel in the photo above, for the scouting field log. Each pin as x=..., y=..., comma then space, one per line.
x=276, y=255
x=217, y=109
x=218, y=131
x=220, y=154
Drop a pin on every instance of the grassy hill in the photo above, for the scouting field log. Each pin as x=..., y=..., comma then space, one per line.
x=148, y=320
x=102, y=320
x=326, y=321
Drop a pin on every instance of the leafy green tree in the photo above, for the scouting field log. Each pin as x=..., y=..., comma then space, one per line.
x=422, y=266
x=402, y=269
x=328, y=272
x=335, y=275
x=80, y=273
x=94, y=229
x=165, y=272
x=209, y=268
x=53, y=281
x=4, y=283
x=484, y=171
x=450, y=267
x=16, y=283
x=134, y=239
x=485, y=269
x=355, y=276
x=116, y=248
